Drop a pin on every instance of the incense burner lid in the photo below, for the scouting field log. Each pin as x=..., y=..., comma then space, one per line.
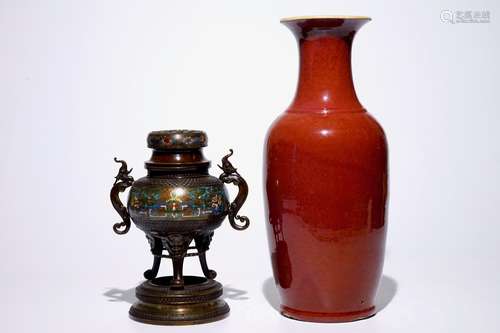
x=177, y=139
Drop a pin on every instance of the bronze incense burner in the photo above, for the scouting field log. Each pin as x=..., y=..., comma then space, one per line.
x=178, y=203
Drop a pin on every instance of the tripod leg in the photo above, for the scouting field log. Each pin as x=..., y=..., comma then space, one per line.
x=177, y=246
x=156, y=249
x=209, y=273
x=178, y=279
x=202, y=241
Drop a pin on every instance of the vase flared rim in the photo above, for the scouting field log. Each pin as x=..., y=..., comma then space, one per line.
x=324, y=17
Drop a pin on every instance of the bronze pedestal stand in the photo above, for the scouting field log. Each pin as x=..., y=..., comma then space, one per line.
x=197, y=303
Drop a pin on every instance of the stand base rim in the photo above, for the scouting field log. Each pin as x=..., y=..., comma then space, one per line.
x=320, y=317
x=179, y=322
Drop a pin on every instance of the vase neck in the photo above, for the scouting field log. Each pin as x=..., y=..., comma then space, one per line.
x=325, y=78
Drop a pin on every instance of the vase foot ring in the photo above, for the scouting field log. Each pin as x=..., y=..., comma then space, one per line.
x=320, y=317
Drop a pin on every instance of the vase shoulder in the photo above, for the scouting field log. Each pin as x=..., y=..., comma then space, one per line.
x=331, y=128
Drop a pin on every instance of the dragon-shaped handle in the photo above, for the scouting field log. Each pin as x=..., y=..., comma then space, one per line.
x=231, y=175
x=123, y=180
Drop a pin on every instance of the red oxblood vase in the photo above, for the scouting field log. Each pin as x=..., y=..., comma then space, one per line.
x=326, y=183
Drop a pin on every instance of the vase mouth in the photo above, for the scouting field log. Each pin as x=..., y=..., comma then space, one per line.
x=324, y=17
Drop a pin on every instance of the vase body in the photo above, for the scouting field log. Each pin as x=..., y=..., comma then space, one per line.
x=325, y=177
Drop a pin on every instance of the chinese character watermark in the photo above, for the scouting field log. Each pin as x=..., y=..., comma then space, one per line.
x=465, y=16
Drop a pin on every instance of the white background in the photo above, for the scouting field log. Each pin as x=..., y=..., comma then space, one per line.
x=84, y=81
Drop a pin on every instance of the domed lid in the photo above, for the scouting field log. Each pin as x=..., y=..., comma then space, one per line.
x=177, y=139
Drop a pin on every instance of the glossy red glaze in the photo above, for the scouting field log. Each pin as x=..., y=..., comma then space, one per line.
x=326, y=184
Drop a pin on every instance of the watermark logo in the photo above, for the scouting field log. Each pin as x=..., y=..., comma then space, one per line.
x=465, y=16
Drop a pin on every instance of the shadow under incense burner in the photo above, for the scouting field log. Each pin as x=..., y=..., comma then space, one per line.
x=179, y=205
